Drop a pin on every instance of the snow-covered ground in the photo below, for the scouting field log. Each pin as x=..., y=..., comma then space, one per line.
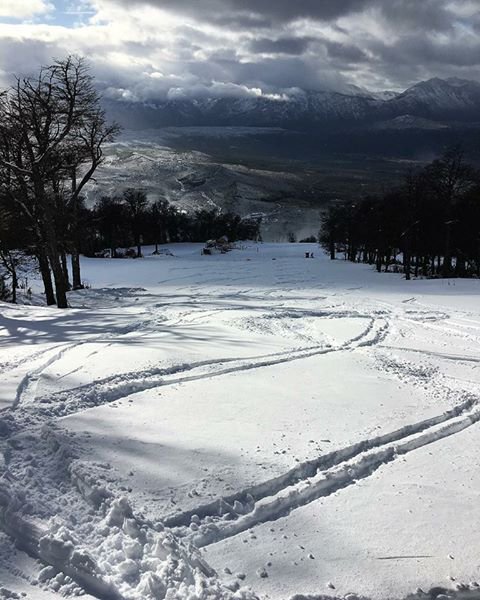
x=241, y=425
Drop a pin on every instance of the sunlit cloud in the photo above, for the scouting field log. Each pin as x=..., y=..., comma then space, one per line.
x=24, y=9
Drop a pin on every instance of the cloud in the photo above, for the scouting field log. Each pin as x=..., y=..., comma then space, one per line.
x=24, y=9
x=148, y=50
x=218, y=89
x=345, y=52
x=262, y=12
x=282, y=45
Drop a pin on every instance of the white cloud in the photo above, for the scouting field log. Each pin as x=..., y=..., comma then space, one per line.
x=24, y=9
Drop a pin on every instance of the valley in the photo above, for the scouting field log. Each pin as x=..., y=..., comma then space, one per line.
x=257, y=172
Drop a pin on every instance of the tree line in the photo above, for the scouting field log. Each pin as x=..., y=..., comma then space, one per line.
x=116, y=227
x=429, y=226
x=119, y=222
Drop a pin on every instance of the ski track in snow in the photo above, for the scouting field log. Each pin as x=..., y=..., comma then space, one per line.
x=118, y=387
x=27, y=387
x=11, y=365
x=320, y=477
x=263, y=502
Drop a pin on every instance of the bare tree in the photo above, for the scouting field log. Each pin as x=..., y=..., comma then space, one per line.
x=450, y=177
x=136, y=203
x=52, y=135
x=8, y=258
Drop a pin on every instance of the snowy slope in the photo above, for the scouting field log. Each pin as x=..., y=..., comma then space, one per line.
x=228, y=426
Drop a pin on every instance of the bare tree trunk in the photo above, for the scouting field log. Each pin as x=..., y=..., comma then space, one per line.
x=332, y=250
x=14, y=284
x=426, y=265
x=76, y=276
x=9, y=264
x=55, y=260
x=46, y=276
x=407, y=263
x=63, y=259
x=460, y=266
x=407, y=257
x=59, y=278
x=447, y=259
x=388, y=258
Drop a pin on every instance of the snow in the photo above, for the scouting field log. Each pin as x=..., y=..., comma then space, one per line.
x=228, y=426
x=411, y=524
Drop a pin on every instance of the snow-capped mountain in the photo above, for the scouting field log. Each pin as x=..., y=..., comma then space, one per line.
x=299, y=109
x=450, y=99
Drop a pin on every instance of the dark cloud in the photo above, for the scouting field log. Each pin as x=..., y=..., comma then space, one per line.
x=432, y=14
x=279, y=73
x=241, y=21
x=23, y=57
x=345, y=52
x=284, y=45
x=418, y=15
x=414, y=50
x=257, y=12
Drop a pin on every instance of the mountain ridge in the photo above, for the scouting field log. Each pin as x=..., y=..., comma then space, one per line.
x=443, y=100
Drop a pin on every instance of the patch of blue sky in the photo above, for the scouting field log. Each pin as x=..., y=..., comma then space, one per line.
x=64, y=13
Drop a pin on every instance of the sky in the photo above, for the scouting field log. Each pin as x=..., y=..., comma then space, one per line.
x=148, y=50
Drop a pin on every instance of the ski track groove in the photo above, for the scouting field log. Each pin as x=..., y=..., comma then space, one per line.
x=31, y=379
x=339, y=474
x=308, y=469
x=432, y=353
x=8, y=366
x=119, y=387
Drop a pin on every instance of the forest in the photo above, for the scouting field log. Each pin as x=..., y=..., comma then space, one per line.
x=429, y=226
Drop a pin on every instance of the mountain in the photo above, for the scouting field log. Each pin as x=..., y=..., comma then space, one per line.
x=298, y=110
x=450, y=100
x=356, y=90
